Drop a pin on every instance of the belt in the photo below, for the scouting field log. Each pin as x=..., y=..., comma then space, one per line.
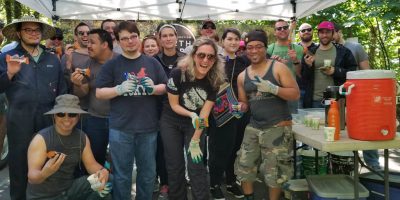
x=284, y=123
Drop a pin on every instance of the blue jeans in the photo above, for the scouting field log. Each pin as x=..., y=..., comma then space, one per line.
x=97, y=132
x=371, y=158
x=124, y=149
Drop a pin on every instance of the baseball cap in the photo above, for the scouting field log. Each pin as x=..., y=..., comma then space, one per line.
x=208, y=21
x=326, y=25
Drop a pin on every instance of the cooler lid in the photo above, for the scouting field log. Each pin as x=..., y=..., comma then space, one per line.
x=371, y=74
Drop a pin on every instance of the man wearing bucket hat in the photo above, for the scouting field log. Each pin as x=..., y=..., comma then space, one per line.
x=265, y=87
x=31, y=80
x=325, y=65
x=57, y=150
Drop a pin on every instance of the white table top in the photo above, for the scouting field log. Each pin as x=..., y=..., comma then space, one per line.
x=315, y=138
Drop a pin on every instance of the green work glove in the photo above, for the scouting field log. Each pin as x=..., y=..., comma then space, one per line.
x=148, y=85
x=195, y=151
x=194, y=117
x=265, y=86
x=125, y=87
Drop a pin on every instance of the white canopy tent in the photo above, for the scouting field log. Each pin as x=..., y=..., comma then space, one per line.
x=177, y=9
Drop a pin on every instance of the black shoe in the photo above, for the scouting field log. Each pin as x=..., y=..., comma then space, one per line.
x=216, y=193
x=235, y=190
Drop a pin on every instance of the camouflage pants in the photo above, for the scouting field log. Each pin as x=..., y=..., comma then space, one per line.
x=273, y=148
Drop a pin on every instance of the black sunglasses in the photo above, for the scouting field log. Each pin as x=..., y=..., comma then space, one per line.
x=207, y=26
x=306, y=29
x=70, y=115
x=282, y=28
x=58, y=38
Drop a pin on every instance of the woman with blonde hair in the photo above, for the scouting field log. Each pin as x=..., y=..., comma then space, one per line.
x=192, y=89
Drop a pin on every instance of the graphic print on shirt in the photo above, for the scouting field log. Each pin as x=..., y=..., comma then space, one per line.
x=171, y=85
x=143, y=85
x=194, y=98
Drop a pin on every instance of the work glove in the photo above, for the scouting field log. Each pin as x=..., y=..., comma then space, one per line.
x=236, y=111
x=94, y=181
x=265, y=86
x=125, y=87
x=107, y=189
x=194, y=151
x=195, y=118
x=148, y=85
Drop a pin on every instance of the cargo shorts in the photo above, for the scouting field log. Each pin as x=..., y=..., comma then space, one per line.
x=273, y=147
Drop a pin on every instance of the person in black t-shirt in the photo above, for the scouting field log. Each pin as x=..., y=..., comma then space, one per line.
x=192, y=89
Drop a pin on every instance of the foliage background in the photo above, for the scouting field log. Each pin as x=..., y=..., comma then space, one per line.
x=376, y=24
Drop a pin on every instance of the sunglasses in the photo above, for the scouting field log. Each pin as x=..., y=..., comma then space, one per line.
x=82, y=33
x=306, y=30
x=282, y=28
x=203, y=55
x=57, y=38
x=207, y=26
x=70, y=115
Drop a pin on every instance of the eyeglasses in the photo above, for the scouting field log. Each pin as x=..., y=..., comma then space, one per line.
x=126, y=39
x=82, y=33
x=256, y=47
x=70, y=115
x=201, y=56
x=31, y=31
x=57, y=38
x=207, y=26
x=306, y=30
x=282, y=28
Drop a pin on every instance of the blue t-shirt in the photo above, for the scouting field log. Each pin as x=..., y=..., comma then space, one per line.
x=136, y=112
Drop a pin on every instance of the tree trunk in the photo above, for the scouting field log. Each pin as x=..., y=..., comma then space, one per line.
x=17, y=10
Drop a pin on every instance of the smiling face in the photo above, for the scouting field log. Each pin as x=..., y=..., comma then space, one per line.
x=95, y=46
x=325, y=36
x=150, y=47
x=256, y=52
x=168, y=38
x=83, y=36
x=231, y=43
x=204, y=59
x=306, y=34
x=66, y=124
x=30, y=34
x=281, y=30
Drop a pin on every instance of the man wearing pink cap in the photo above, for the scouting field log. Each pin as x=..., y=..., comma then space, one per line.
x=325, y=65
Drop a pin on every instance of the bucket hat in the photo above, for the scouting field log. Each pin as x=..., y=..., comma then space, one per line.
x=10, y=30
x=66, y=103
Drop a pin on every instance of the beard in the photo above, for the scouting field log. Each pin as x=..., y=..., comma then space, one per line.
x=306, y=38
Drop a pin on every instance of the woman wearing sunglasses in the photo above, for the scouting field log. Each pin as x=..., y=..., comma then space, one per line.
x=192, y=89
x=56, y=151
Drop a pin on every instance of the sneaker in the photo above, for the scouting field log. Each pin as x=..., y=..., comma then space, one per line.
x=216, y=193
x=235, y=190
x=164, y=192
x=156, y=186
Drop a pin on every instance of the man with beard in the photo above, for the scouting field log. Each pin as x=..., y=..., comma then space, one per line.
x=325, y=65
x=100, y=49
x=306, y=36
x=265, y=87
x=286, y=52
x=109, y=26
x=78, y=58
x=31, y=79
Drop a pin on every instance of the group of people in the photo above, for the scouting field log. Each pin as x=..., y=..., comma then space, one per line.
x=154, y=106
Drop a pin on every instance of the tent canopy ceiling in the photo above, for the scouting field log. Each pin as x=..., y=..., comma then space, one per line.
x=177, y=9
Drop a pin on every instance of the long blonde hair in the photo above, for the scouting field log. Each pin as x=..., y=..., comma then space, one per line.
x=215, y=76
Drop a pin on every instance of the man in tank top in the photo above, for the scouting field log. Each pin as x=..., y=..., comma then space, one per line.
x=265, y=88
x=57, y=150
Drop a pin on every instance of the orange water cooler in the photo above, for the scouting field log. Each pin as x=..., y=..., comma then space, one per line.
x=370, y=104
